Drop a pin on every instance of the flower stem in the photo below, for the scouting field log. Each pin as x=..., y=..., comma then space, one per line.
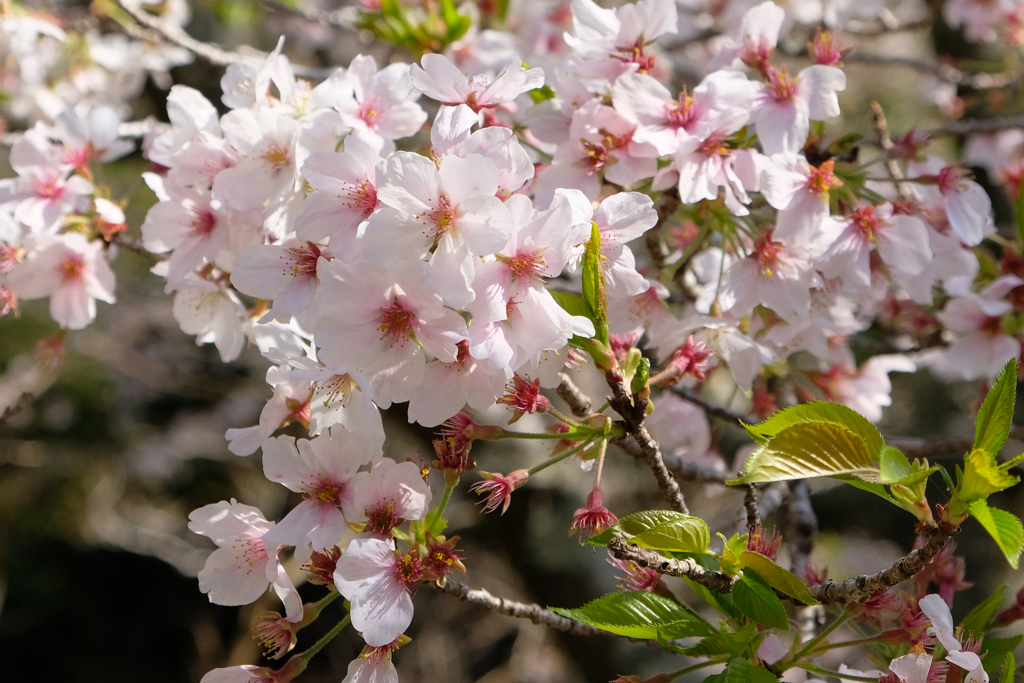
x=559, y=458
x=813, y=642
x=695, y=667
x=436, y=513
x=846, y=643
x=560, y=417
x=297, y=664
x=317, y=607
x=815, y=669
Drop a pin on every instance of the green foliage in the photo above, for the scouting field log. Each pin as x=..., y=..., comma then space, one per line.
x=1009, y=668
x=811, y=449
x=593, y=284
x=755, y=599
x=639, y=614
x=731, y=550
x=1004, y=527
x=778, y=578
x=994, y=651
x=659, y=530
x=996, y=414
x=740, y=670
x=978, y=619
x=816, y=412
x=416, y=29
x=721, y=602
x=726, y=642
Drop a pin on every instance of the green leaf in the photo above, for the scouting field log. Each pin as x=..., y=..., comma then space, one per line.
x=820, y=411
x=981, y=478
x=977, y=620
x=573, y=304
x=659, y=530
x=639, y=614
x=810, y=450
x=894, y=465
x=1020, y=210
x=777, y=577
x=740, y=670
x=1004, y=527
x=722, y=602
x=593, y=283
x=1009, y=669
x=756, y=599
x=540, y=94
x=994, y=651
x=996, y=414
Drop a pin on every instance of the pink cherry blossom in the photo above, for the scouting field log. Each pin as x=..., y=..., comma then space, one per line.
x=325, y=470
x=441, y=80
x=241, y=568
x=982, y=347
x=393, y=493
x=285, y=274
x=787, y=105
x=377, y=583
x=379, y=106
x=607, y=43
x=69, y=269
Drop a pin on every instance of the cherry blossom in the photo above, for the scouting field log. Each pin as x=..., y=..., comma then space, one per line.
x=376, y=582
x=241, y=568
x=441, y=80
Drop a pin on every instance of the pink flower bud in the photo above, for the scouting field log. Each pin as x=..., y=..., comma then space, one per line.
x=499, y=488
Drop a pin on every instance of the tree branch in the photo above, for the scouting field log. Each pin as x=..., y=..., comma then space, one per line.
x=688, y=471
x=915, y=449
x=209, y=52
x=860, y=588
x=688, y=568
x=710, y=408
x=578, y=402
x=803, y=525
x=944, y=72
x=750, y=505
x=339, y=18
x=967, y=126
x=520, y=610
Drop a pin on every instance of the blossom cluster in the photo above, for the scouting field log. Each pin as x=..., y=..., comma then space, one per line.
x=415, y=233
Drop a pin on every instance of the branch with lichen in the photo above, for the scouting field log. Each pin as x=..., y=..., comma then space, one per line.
x=578, y=402
x=687, y=568
x=861, y=588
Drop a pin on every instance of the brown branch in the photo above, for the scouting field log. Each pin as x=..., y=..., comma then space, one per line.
x=750, y=505
x=934, y=448
x=944, y=72
x=967, y=126
x=339, y=18
x=577, y=401
x=802, y=526
x=710, y=408
x=24, y=399
x=688, y=568
x=209, y=52
x=860, y=588
x=520, y=610
x=688, y=471
x=885, y=142
x=633, y=410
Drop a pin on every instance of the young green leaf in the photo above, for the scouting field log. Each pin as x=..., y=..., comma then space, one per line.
x=639, y=614
x=777, y=577
x=719, y=601
x=981, y=477
x=818, y=449
x=820, y=411
x=996, y=414
x=977, y=620
x=593, y=284
x=1009, y=669
x=741, y=670
x=994, y=651
x=756, y=600
x=1004, y=527
x=659, y=530
x=573, y=304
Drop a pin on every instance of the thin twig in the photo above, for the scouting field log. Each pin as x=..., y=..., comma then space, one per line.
x=688, y=568
x=944, y=72
x=521, y=610
x=710, y=408
x=885, y=142
x=886, y=23
x=802, y=526
x=914, y=449
x=750, y=505
x=209, y=52
x=861, y=588
x=339, y=18
x=688, y=471
x=968, y=126
x=578, y=402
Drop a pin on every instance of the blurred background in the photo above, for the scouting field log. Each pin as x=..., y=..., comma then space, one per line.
x=105, y=450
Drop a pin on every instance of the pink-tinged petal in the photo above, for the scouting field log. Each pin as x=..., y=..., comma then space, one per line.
x=382, y=612
x=401, y=120
x=72, y=307
x=912, y=668
x=509, y=84
x=783, y=178
x=485, y=224
x=904, y=244
x=286, y=591
x=362, y=563
x=283, y=463
x=970, y=213
x=311, y=522
x=625, y=216
x=848, y=255
x=235, y=575
x=453, y=271
x=409, y=182
x=818, y=84
x=442, y=335
x=470, y=177
x=440, y=80
x=442, y=394
x=781, y=127
x=245, y=673
x=243, y=441
x=937, y=611
x=370, y=670
x=224, y=522
x=451, y=127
